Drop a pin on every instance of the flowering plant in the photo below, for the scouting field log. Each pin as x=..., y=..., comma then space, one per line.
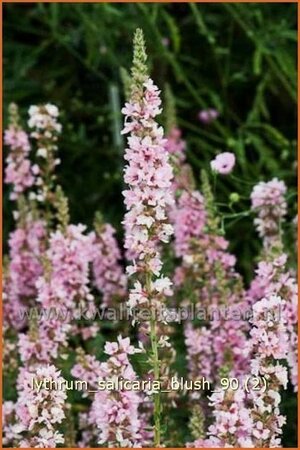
x=175, y=278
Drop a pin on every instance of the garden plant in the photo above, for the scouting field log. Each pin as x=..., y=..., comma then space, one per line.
x=149, y=279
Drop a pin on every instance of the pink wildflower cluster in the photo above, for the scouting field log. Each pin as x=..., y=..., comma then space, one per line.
x=183, y=176
x=69, y=255
x=232, y=426
x=26, y=246
x=43, y=121
x=269, y=342
x=55, y=268
x=52, y=271
x=109, y=277
x=189, y=220
x=44, y=118
x=253, y=419
x=175, y=145
x=11, y=426
x=221, y=343
x=209, y=269
x=270, y=205
x=149, y=176
x=272, y=275
x=273, y=278
x=61, y=291
x=115, y=413
x=87, y=369
x=19, y=172
x=33, y=420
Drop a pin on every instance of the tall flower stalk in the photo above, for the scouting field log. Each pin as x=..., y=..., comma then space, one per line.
x=273, y=277
x=19, y=171
x=148, y=175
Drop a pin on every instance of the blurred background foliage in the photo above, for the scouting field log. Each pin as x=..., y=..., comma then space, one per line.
x=239, y=59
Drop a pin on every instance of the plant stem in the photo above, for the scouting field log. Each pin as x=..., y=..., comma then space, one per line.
x=156, y=377
x=156, y=369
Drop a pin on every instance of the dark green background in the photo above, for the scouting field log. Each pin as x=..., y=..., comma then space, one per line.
x=237, y=58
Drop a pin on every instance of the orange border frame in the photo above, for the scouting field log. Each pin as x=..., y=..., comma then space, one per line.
x=1, y=130
x=149, y=1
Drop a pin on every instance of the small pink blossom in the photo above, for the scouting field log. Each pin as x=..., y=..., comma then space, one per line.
x=223, y=163
x=208, y=115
